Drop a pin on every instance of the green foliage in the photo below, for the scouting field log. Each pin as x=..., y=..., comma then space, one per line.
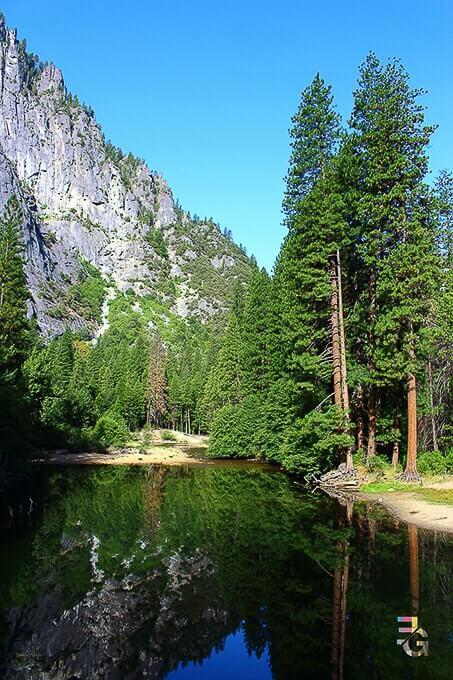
x=225, y=381
x=360, y=199
x=14, y=331
x=237, y=430
x=156, y=239
x=314, y=137
x=379, y=464
x=311, y=442
x=168, y=436
x=435, y=463
x=110, y=429
x=89, y=292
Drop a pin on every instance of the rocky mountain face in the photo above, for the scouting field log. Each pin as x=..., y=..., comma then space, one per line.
x=91, y=212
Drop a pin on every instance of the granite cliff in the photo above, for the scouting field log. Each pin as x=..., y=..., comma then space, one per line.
x=94, y=213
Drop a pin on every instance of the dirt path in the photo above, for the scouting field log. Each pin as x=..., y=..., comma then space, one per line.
x=411, y=508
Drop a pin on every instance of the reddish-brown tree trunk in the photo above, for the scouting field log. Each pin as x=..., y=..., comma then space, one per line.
x=371, y=448
x=411, y=465
x=411, y=474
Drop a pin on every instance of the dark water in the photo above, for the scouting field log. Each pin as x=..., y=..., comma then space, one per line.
x=214, y=573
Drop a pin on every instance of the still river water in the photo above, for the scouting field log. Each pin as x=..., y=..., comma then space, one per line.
x=217, y=572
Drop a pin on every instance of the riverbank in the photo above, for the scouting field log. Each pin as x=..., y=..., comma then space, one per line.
x=429, y=506
x=162, y=447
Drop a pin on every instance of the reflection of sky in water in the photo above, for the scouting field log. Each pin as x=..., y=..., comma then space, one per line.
x=233, y=662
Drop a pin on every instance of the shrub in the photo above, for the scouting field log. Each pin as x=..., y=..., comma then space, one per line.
x=168, y=436
x=156, y=240
x=449, y=461
x=111, y=429
x=379, y=463
x=311, y=443
x=433, y=462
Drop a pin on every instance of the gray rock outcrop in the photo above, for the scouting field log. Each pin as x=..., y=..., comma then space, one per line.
x=84, y=200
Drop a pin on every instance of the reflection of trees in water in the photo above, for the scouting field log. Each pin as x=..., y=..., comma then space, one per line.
x=189, y=556
x=340, y=594
x=154, y=487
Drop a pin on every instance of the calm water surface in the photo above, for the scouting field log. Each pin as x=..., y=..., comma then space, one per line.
x=183, y=573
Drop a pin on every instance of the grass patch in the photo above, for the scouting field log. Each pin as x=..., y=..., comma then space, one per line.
x=444, y=496
x=374, y=487
x=168, y=436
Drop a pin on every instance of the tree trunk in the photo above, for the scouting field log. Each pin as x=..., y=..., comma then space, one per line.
x=396, y=444
x=395, y=454
x=343, y=364
x=361, y=443
x=431, y=403
x=371, y=449
x=336, y=359
x=411, y=474
x=411, y=465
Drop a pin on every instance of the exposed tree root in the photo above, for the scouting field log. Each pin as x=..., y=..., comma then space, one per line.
x=409, y=476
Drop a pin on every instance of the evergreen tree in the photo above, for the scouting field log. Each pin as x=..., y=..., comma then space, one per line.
x=396, y=244
x=314, y=138
x=14, y=328
x=307, y=270
x=14, y=332
x=254, y=326
x=225, y=380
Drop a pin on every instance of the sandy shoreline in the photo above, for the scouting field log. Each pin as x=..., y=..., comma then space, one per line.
x=409, y=507
x=159, y=454
x=177, y=456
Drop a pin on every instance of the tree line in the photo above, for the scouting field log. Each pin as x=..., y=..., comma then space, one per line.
x=345, y=352
x=342, y=355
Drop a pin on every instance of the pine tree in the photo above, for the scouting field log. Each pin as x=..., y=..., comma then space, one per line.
x=395, y=244
x=14, y=333
x=156, y=389
x=225, y=380
x=308, y=266
x=314, y=138
x=14, y=328
x=254, y=330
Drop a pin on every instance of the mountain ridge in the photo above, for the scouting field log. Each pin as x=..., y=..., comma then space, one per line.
x=95, y=217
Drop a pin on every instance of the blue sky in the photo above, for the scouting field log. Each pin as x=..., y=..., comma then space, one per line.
x=204, y=90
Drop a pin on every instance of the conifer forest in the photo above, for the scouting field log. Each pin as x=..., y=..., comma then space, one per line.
x=210, y=469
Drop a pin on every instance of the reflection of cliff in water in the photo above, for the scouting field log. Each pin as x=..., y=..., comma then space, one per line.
x=132, y=627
